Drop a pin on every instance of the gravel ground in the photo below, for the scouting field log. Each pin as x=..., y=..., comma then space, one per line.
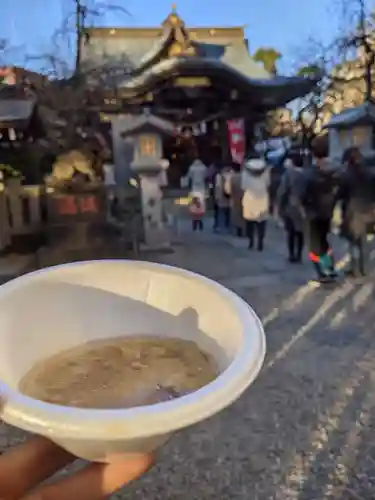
x=305, y=428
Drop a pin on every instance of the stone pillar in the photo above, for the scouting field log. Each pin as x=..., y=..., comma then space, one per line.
x=147, y=165
x=5, y=230
x=123, y=149
x=226, y=157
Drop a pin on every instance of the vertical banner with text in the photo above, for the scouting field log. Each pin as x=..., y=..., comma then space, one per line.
x=236, y=131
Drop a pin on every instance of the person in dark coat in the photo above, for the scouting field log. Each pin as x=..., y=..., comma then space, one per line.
x=289, y=207
x=212, y=173
x=276, y=174
x=357, y=194
x=318, y=199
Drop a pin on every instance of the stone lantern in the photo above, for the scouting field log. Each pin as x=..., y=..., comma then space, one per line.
x=147, y=132
x=352, y=127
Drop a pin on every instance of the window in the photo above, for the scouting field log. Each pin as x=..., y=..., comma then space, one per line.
x=147, y=145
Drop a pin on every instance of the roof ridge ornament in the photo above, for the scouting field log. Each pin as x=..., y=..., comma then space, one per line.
x=174, y=20
x=182, y=44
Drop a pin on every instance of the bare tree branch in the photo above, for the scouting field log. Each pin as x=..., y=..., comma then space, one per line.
x=71, y=95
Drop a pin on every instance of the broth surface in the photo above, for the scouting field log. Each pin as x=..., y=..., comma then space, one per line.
x=120, y=373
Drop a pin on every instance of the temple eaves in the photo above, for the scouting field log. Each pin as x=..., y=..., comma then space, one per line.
x=270, y=93
x=177, y=51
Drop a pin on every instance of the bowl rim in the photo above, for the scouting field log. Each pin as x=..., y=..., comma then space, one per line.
x=58, y=422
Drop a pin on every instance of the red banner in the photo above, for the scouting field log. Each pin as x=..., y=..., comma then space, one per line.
x=236, y=131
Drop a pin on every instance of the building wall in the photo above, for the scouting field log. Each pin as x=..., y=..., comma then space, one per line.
x=340, y=140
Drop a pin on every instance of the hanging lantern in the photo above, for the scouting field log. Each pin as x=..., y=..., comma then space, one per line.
x=187, y=133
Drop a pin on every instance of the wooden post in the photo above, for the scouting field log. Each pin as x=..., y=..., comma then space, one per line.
x=34, y=194
x=13, y=193
x=5, y=235
x=225, y=154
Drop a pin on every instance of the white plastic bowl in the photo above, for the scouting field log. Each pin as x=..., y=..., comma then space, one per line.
x=56, y=308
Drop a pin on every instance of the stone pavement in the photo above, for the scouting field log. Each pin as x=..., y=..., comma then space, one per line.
x=305, y=429
x=13, y=265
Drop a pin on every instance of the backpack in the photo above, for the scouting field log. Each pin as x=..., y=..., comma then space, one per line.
x=197, y=209
x=320, y=196
x=227, y=185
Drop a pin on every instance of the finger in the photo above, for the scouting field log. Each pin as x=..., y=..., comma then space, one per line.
x=95, y=482
x=27, y=465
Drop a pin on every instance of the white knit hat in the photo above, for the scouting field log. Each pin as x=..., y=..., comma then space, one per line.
x=255, y=164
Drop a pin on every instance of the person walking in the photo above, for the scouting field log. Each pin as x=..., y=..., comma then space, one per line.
x=197, y=177
x=213, y=171
x=357, y=195
x=318, y=199
x=223, y=197
x=289, y=207
x=277, y=169
x=236, y=201
x=255, y=201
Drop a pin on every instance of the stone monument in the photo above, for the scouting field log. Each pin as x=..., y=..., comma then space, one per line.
x=147, y=131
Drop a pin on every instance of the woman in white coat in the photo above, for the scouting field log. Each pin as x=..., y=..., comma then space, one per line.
x=197, y=178
x=255, y=201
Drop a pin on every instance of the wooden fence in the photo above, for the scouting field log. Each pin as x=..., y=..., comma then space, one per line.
x=25, y=210
x=21, y=212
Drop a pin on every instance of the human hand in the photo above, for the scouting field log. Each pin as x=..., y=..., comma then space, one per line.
x=24, y=467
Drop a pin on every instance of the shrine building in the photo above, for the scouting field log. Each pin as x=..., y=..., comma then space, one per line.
x=198, y=79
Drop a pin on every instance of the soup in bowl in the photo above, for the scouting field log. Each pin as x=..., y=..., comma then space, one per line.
x=208, y=346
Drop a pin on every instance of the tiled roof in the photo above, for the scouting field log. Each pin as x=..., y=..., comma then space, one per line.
x=360, y=115
x=141, y=122
x=129, y=53
x=138, y=61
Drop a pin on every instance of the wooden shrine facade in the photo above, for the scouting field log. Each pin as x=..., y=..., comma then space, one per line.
x=185, y=75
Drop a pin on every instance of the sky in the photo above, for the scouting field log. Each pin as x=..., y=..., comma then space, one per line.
x=283, y=24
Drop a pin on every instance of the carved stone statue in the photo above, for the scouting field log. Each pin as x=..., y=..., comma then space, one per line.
x=72, y=169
